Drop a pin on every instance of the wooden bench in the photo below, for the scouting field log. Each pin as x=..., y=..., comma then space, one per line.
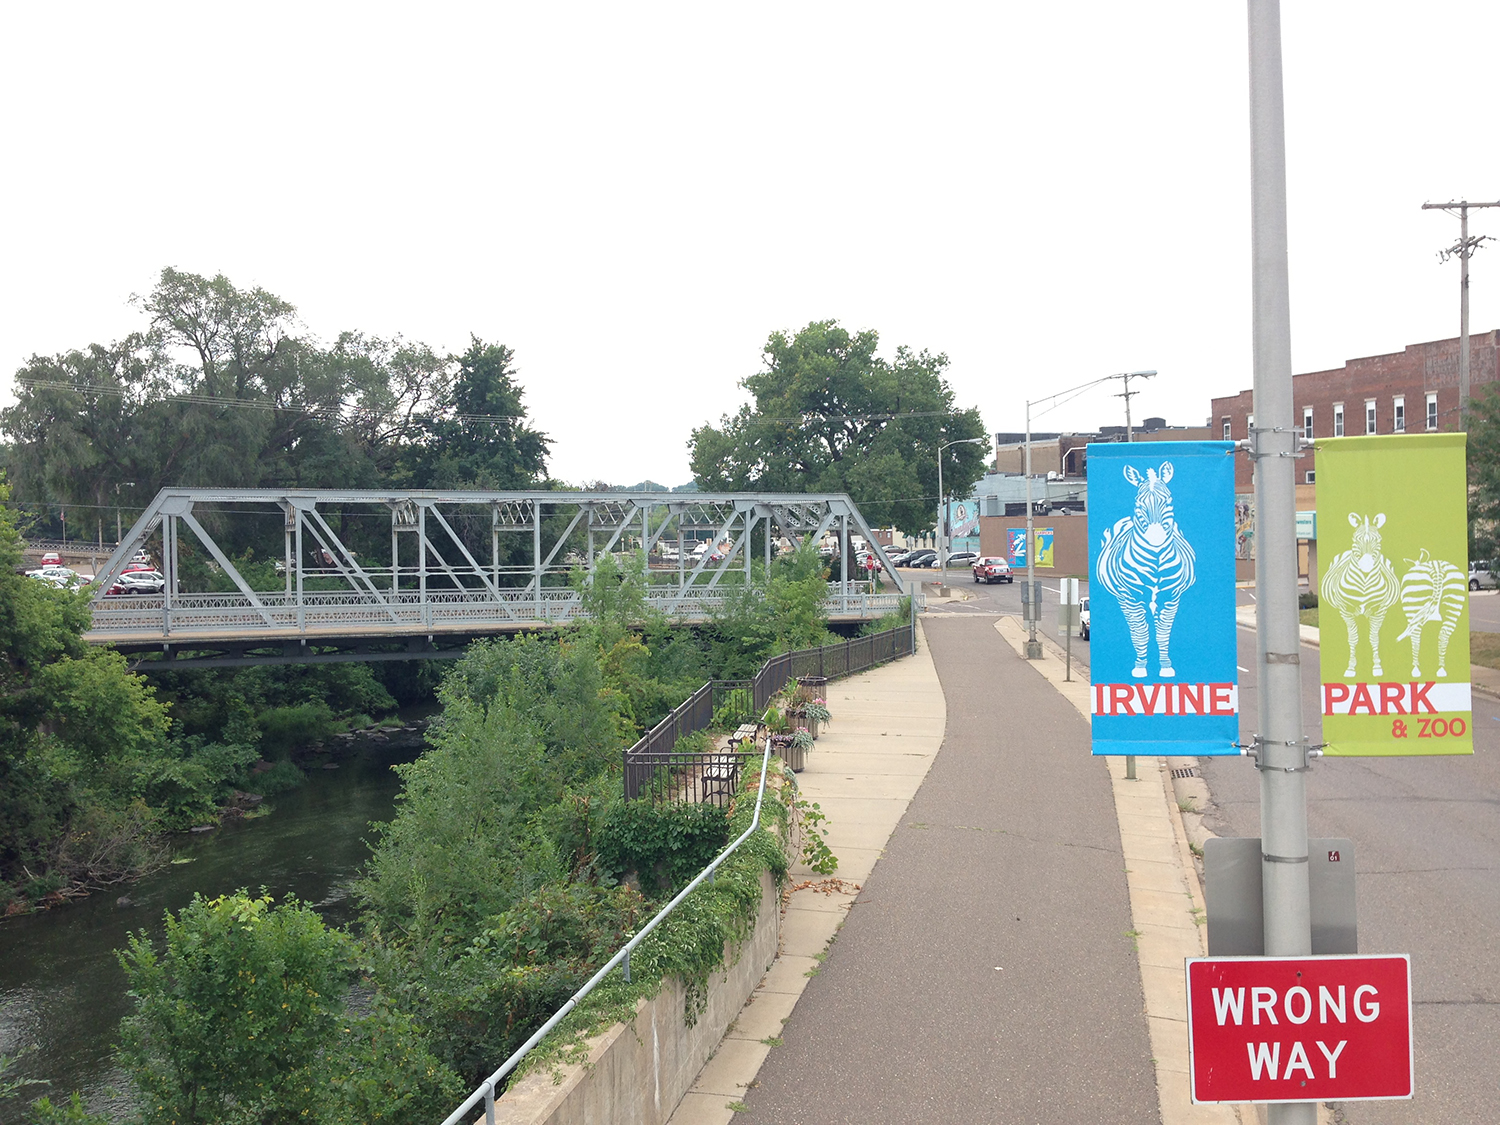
x=720, y=776
x=745, y=732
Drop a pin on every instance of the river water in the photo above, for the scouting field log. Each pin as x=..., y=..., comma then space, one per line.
x=62, y=992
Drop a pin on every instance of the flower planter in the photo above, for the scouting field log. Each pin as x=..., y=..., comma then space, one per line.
x=785, y=747
x=803, y=720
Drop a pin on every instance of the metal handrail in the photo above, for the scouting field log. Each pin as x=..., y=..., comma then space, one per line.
x=486, y=1089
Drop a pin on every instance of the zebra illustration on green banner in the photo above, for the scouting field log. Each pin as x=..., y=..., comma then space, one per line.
x=1432, y=591
x=1361, y=583
x=1394, y=530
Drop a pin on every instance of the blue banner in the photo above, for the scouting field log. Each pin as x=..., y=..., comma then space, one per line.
x=1161, y=590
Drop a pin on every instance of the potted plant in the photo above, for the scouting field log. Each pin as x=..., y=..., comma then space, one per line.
x=815, y=714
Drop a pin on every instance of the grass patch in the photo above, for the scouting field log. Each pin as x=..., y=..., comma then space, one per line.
x=1484, y=649
x=1308, y=616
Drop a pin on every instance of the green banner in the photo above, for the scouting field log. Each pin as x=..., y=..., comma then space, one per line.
x=1393, y=595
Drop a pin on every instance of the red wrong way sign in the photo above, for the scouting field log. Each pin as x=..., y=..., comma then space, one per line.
x=1299, y=1029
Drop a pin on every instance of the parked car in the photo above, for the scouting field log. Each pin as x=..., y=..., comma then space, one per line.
x=992, y=568
x=139, y=582
x=1483, y=575
x=60, y=576
x=52, y=558
x=962, y=558
x=1083, y=619
x=924, y=557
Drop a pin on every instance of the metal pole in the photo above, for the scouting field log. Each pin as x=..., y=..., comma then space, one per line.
x=942, y=519
x=1033, y=646
x=1463, y=315
x=1129, y=439
x=1464, y=250
x=1281, y=750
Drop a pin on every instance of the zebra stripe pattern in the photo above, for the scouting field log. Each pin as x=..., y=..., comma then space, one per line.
x=1432, y=590
x=1147, y=564
x=1360, y=582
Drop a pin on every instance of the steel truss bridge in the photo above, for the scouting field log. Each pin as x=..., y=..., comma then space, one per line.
x=381, y=575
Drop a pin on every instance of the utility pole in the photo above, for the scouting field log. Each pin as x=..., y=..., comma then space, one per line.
x=1463, y=250
x=1281, y=753
x=1127, y=393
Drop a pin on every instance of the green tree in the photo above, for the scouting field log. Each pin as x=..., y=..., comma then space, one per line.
x=477, y=437
x=232, y=1016
x=830, y=415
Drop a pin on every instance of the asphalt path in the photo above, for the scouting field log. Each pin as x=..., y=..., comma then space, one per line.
x=986, y=972
x=991, y=599
x=1427, y=851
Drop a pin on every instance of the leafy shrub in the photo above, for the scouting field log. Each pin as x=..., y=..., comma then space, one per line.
x=231, y=1018
x=523, y=966
x=381, y=1068
x=281, y=777
x=283, y=729
x=664, y=845
x=1308, y=600
x=461, y=847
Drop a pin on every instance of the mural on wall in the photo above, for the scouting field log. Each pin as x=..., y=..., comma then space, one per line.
x=1015, y=546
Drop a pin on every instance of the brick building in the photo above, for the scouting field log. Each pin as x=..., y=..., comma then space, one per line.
x=1411, y=391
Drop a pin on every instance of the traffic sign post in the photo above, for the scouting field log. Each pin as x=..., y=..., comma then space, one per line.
x=1299, y=1029
x=1067, y=619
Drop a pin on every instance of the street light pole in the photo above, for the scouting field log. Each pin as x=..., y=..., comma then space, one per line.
x=1033, y=645
x=943, y=509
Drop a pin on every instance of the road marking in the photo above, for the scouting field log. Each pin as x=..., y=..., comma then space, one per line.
x=1242, y=668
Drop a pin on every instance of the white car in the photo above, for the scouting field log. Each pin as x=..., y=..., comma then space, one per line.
x=1483, y=575
x=1083, y=618
x=60, y=576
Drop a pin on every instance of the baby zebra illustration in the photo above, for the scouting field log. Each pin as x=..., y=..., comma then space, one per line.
x=1432, y=590
x=1147, y=564
x=1360, y=582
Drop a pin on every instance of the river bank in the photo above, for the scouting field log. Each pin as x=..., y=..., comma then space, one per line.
x=62, y=992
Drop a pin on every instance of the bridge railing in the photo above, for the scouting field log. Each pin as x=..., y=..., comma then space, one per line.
x=405, y=612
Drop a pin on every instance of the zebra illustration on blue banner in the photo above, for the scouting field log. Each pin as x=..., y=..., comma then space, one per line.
x=1162, y=661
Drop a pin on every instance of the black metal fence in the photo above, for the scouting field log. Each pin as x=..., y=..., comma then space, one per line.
x=655, y=768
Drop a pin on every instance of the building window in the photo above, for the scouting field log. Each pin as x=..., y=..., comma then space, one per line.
x=1226, y=429
x=1307, y=423
x=1311, y=476
x=1370, y=416
x=1432, y=412
x=1338, y=419
x=1399, y=421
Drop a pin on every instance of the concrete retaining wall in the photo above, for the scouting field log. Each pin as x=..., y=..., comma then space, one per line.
x=637, y=1072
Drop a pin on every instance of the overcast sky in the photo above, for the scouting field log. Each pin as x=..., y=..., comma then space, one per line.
x=634, y=196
